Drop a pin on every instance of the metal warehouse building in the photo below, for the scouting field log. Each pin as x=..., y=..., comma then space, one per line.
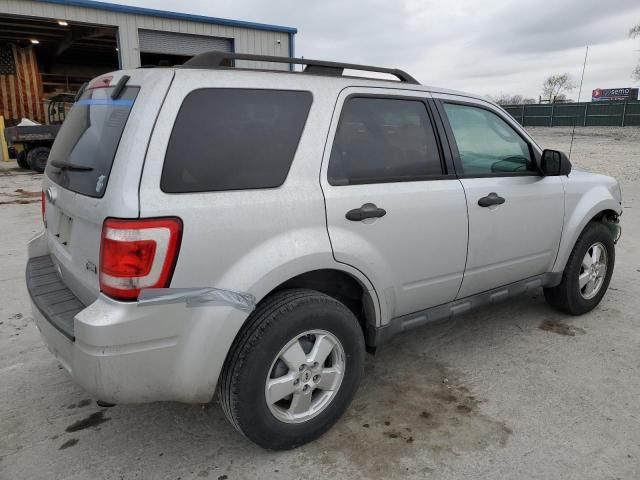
x=50, y=47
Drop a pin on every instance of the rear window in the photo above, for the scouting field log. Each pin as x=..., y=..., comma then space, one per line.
x=88, y=139
x=234, y=139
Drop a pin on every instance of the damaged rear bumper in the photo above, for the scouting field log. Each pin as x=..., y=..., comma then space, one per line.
x=168, y=346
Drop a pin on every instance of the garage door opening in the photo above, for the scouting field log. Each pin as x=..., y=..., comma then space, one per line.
x=166, y=49
x=45, y=62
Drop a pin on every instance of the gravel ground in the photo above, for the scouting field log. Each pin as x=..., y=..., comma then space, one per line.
x=515, y=391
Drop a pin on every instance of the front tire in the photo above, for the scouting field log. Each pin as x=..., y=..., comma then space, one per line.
x=587, y=274
x=293, y=370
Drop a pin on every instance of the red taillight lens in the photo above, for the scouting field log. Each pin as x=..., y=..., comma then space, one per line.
x=137, y=254
x=43, y=206
x=128, y=259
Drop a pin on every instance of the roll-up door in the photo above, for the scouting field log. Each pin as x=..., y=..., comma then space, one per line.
x=171, y=43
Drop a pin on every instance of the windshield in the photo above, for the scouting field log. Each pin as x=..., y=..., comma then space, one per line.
x=85, y=147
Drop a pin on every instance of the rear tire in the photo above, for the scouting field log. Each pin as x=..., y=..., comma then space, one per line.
x=21, y=158
x=584, y=282
x=281, y=404
x=38, y=157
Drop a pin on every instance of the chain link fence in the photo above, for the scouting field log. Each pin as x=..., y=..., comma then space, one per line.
x=584, y=114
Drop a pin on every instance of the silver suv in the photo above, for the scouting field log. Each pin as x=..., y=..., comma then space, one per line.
x=251, y=233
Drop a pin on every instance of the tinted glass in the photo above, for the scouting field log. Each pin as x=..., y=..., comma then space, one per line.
x=234, y=139
x=383, y=140
x=487, y=144
x=89, y=137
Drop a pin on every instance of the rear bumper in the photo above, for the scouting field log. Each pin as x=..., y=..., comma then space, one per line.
x=50, y=296
x=119, y=372
x=125, y=352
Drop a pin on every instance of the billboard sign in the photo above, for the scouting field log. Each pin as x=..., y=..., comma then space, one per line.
x=608, y=94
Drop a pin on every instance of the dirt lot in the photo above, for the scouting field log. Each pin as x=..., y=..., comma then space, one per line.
x=515, y=391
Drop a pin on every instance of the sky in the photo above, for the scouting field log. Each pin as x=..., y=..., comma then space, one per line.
x=488, y=47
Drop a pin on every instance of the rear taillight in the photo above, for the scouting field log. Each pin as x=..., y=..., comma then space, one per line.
x=137, y=254
x=43, y=206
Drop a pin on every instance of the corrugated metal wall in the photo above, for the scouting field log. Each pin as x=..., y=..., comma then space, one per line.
x=172, y=43
x=245, y=40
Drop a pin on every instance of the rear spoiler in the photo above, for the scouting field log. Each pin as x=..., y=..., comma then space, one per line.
x=117, y=89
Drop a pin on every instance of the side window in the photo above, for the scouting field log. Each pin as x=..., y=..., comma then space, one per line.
x=234, y=139
x=383, y=140
x=486, y=143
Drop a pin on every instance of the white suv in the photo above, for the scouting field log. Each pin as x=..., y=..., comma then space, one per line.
x=252, y=232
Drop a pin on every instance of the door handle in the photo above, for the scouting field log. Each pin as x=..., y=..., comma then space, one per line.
x=368, y=210
x=492, y=199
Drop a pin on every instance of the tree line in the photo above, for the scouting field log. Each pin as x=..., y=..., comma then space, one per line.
x=554, y=89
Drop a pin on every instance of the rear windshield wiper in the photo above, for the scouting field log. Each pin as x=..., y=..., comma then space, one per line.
x=70, y=166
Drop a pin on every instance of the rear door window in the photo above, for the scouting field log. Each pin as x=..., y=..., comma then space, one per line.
x=89, y=139
x=234, y=139
x=382, y=140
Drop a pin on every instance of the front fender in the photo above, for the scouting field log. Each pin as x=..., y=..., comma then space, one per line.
x=581, y=206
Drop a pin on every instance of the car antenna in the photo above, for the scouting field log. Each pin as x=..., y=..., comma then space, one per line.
x=584, y=66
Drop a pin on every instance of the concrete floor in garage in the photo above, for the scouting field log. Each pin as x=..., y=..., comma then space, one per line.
x=514, y=391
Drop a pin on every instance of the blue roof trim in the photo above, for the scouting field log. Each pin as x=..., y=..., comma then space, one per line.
x=113, y=7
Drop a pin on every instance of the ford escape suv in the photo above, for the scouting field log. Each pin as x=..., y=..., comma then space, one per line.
x=251, y=233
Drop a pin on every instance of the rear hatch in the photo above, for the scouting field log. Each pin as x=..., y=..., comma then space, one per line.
x=94, y=169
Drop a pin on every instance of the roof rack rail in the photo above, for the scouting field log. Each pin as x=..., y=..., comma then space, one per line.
x=217, y=58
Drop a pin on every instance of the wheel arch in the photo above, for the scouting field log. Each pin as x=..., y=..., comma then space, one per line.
x=349, y=287
x=344, y=287
x=606, y=210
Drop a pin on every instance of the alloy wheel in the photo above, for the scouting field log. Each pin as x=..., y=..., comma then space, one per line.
x=593, y=271
x=305, y=376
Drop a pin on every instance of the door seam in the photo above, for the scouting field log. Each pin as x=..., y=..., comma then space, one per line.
x=466, y=260
x=378, y=322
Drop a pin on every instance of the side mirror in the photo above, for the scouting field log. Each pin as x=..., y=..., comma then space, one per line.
x=555, y=163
